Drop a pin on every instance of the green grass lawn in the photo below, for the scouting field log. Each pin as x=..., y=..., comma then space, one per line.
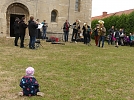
x=69, y=72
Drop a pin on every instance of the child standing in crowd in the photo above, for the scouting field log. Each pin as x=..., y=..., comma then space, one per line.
x=29, y=84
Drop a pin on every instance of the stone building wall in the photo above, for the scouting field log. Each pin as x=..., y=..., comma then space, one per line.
x=41, y=9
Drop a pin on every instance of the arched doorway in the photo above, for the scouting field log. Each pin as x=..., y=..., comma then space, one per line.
x=15, y=10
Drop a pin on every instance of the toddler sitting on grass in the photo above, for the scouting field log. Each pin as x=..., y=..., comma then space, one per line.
x=29, y=84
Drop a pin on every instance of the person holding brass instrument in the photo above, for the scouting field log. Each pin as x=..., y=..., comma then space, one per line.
x=86, y=33
x=101, y=33
x=96, y=36
x=76, y=27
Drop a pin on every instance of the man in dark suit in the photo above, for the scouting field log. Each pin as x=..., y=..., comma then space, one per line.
x=16, y=31
x=22, y=27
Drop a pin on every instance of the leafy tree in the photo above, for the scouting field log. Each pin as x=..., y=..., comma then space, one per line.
x=122, y=22
x=130, y=22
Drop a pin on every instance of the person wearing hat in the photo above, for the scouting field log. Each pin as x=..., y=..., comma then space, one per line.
x=101, y=32
x=29, y=84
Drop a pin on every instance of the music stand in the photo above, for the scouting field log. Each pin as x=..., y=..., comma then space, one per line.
x=37, y=43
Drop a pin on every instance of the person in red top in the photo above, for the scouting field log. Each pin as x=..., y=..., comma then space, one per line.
x=66, y=27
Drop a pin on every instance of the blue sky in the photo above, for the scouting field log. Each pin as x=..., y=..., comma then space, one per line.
x=110, y=6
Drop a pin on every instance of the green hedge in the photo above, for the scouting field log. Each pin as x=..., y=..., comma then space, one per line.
x=124, y=21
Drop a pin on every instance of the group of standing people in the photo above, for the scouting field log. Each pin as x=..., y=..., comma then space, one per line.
x=99, y=31
x=76, y=29
x=116, y=36
x=20, y=30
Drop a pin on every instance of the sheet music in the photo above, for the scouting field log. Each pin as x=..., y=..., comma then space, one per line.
x=73, y=26
x=40, y=26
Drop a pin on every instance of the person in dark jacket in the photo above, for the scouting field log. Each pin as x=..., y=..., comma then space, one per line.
x=66, y=27
x=16, y=31
x=38, y=35
x=117, y=36
x=86, y=33
x=76, y=27
x=111, y=34
x=32, y=26
x=44, y=29
x=96, y=36
x=22, y=27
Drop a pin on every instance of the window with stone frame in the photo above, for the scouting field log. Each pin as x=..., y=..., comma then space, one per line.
x=77, y=5
x=54, y=16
